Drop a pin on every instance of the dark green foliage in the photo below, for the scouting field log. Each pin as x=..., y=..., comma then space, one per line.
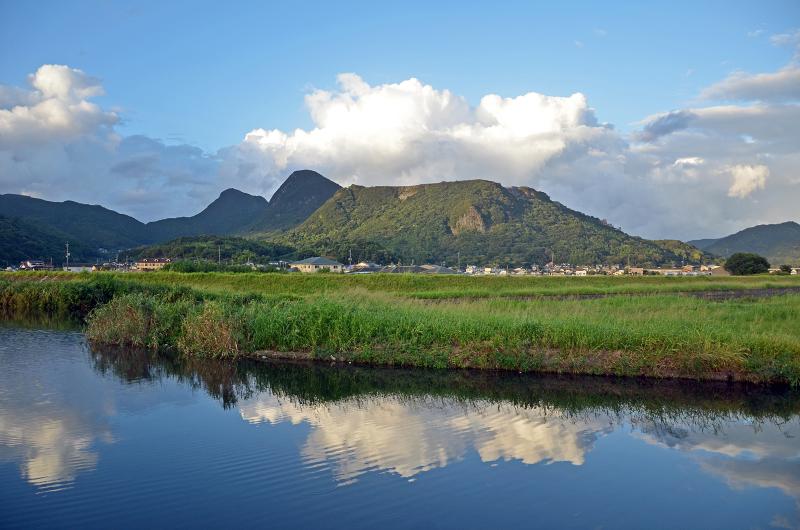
x=297, y=198
x=21, y=240
x=90, y=225
x=483, y=221
x=743, y=263
x=228, y=214
x=779, y=243
x=786, y=269
x=211, y=266
x=231, y=250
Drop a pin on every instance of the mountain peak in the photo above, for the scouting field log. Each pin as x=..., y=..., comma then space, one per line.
x=303, y=182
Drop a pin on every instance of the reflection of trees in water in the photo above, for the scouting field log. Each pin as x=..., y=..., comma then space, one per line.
x=667, y=405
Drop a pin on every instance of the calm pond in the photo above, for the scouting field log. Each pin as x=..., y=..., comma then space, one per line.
x=126, y=439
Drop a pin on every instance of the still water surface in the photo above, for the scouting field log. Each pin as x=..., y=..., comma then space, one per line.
x=125, y=439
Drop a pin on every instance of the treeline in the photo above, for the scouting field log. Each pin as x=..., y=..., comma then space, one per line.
x=230, y=250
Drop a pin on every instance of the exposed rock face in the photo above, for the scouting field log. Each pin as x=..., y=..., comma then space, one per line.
x=407, y=192
x=470, y=220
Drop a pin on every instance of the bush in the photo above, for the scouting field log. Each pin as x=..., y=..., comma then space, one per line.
x=786, y=269
x=743, y=263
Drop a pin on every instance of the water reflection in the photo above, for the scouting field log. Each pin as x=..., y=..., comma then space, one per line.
x=410, y=421
x=64, y=408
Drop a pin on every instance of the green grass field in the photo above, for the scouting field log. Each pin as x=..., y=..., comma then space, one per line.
x=645, y=326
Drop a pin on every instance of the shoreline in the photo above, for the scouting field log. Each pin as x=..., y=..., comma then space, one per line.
x=663, y=336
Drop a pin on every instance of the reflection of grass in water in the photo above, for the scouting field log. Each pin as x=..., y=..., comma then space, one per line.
x=664, y=404
x=44, y=321
x=660, y=335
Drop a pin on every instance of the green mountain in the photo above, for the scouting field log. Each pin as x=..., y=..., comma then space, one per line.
x=228, y=214
x=297, y=198
x=21, y=240
x=482, y=221
x=90, y=225
x=94, y=228
x=779, y=243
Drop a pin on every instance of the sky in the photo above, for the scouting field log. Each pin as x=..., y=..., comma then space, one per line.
x=671, y=120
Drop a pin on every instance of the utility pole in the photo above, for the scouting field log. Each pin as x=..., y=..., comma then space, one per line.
x=219, y=254
x=67, y=255
x=459, y=261
x=350, y=256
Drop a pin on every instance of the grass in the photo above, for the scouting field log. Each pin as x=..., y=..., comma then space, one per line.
x=392, y=319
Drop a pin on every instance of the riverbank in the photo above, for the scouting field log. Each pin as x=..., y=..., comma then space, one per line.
x=382, y=320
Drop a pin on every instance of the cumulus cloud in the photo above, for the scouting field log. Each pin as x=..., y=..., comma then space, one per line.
x=410, y=132
x=55, y=143
x=747, y=179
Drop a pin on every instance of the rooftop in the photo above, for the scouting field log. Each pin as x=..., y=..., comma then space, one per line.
x=316, y=260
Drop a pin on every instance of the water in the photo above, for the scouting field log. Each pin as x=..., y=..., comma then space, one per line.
x=125, y=439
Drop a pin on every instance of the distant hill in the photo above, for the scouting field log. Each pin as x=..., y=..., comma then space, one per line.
x=228, y=214
x=483, y=221
x=91, y=225
x=234, y=212
x=297, y=198
x=779, y=243
x=20, y=240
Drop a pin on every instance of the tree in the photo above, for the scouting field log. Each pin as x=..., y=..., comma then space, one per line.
x=786, y=269
x=743, y=263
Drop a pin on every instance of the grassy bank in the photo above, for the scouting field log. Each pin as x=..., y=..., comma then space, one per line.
x=378, y=320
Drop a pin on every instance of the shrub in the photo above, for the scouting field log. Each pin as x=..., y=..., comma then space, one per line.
x=743, y=263
x=213, y=331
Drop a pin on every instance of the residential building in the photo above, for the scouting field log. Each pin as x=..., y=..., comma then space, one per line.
x=35, y=265
x=152, y=264
x=317, y=264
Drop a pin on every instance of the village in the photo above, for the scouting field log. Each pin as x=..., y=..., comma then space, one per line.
x=319, y=264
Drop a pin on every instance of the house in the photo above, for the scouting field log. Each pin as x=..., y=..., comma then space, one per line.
x=636, y=271
x=152, y=264
x=580, y=272
x=364, y=267
x=317, y=264
x=34, y=265
x=436, y=269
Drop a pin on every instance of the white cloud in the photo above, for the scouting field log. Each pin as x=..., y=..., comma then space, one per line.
x=783, y=85
x=786, y=39
x=410, y=132
x=747, y=179
x=56, y=109
x=55, y=143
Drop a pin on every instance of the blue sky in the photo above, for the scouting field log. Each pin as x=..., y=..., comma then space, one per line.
x=671, y=120
x=205, y=73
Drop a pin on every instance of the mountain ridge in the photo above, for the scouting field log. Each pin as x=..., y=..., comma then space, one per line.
x=477, y=220
x=778, y=242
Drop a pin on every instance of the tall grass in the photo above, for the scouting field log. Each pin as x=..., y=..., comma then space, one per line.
x=661, y=335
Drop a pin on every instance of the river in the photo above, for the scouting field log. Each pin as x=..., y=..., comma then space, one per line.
x=125, y=439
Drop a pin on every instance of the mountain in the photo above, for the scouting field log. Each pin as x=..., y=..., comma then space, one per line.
x=228, y=214
x=232, y=213
x=21, y=240
x=483, y=221
x=297, y=198
x=779, y=243
x=92, y=225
